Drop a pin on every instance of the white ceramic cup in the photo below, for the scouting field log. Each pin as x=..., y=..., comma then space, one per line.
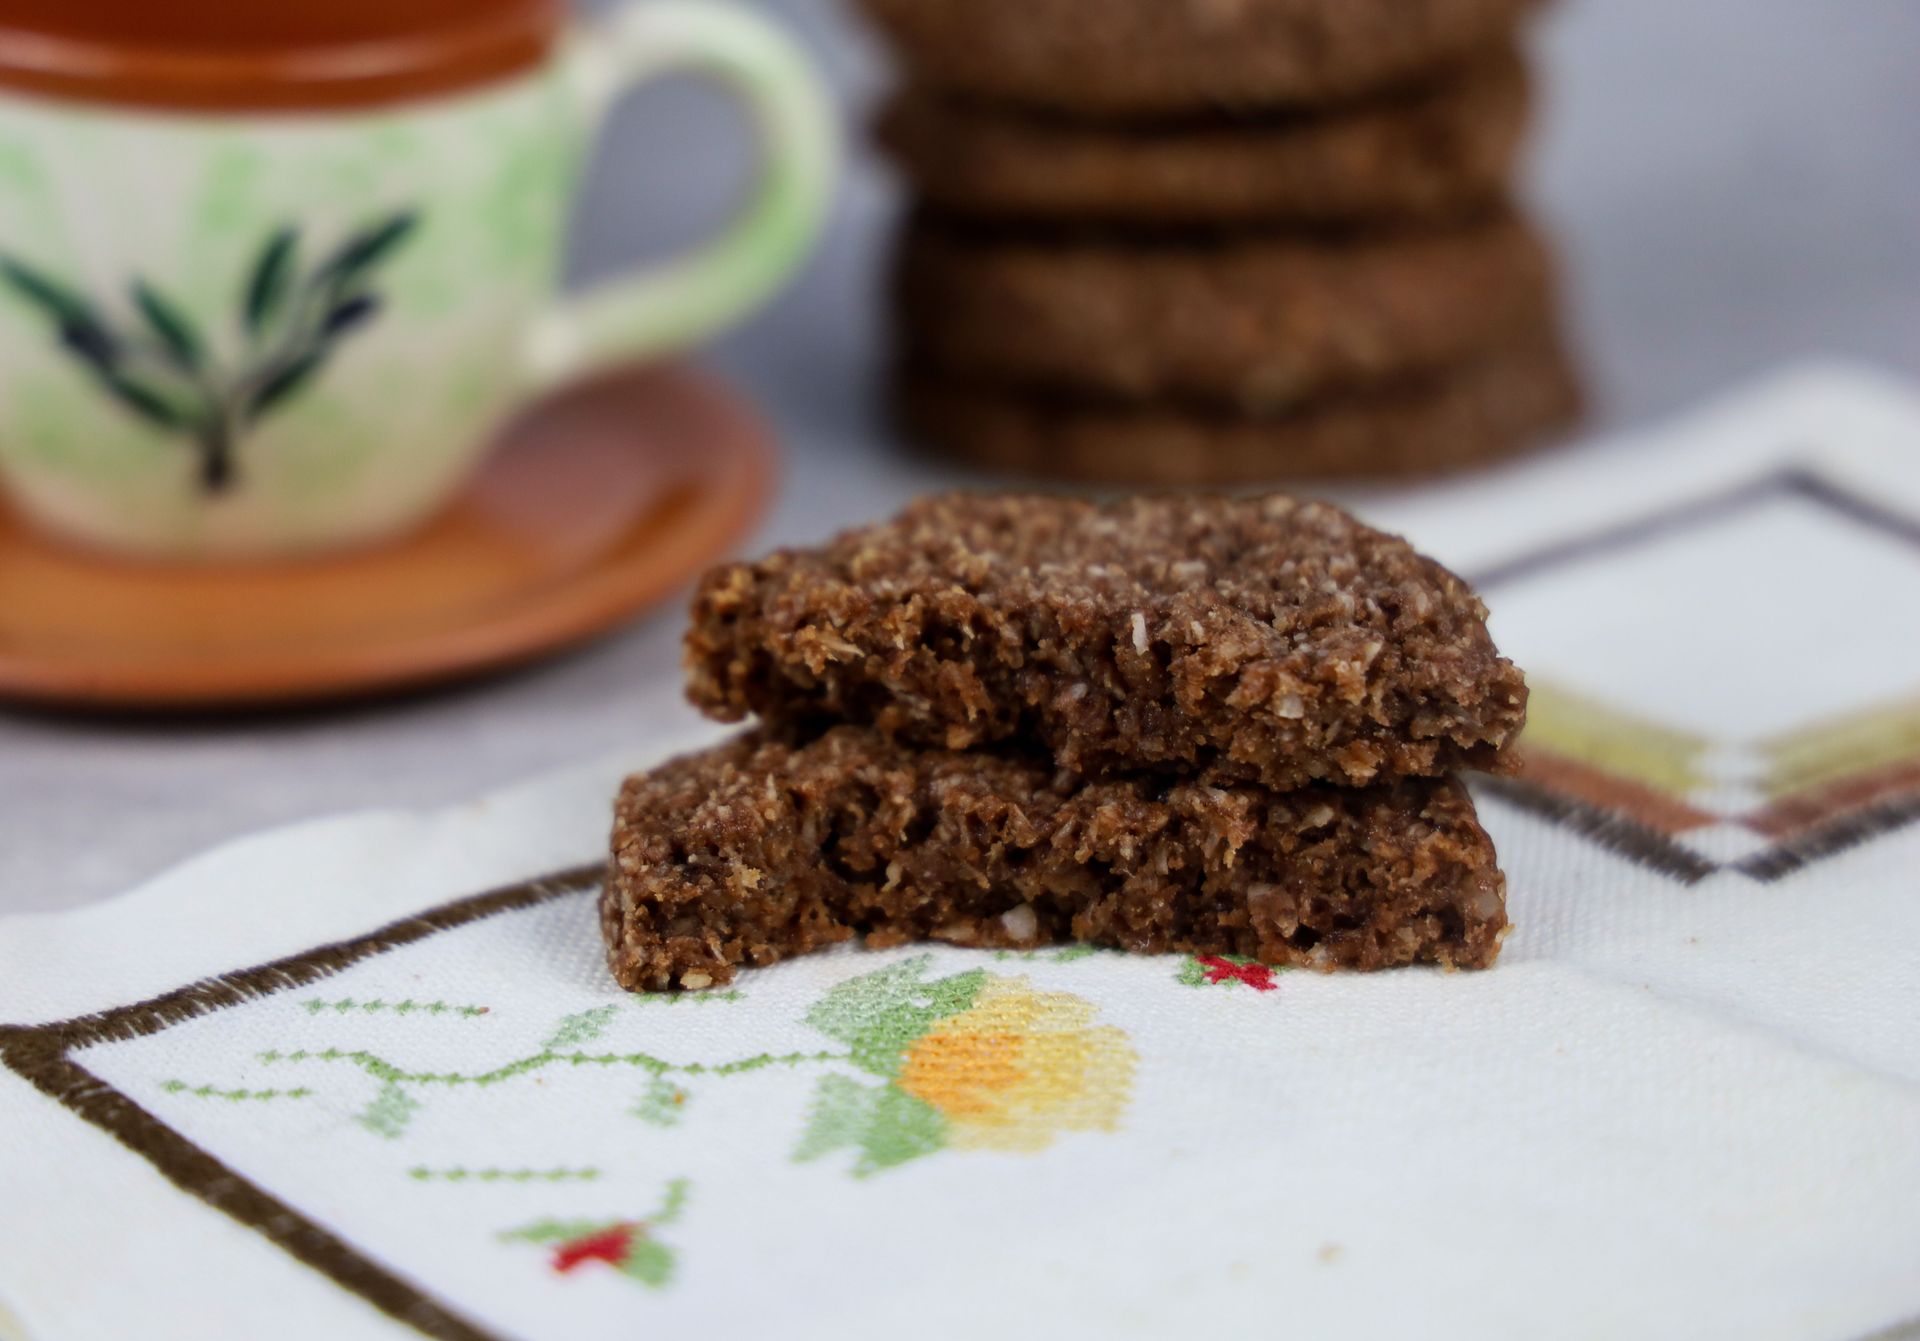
x=231, y=334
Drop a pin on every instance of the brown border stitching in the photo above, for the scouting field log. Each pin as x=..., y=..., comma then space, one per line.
x=1813, y=807
x=1837, y=835
x=1638, y=842
x=1788, y=482
x=1681, y=516
x=40, y=1054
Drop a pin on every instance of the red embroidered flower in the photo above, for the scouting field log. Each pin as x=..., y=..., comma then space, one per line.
x=609, y=1245
x=1257, y=976
x=628, y=1246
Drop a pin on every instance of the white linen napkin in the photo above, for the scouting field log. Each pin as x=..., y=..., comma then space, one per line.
x=367, y=1077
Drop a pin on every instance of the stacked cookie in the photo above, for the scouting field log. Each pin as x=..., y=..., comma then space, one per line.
x=1214, y=241
x=1204, y=725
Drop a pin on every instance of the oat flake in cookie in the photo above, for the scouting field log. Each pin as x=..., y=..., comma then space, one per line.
x=759, y=850
x=1257, y=639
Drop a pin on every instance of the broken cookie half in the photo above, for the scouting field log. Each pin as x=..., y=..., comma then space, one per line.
x=767, y=847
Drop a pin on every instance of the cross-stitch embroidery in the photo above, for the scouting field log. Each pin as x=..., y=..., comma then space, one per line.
x=628, y=1246
x=1226, y=971
x=969, y=1061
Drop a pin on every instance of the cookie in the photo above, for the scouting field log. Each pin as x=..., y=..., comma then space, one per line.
x=1438, y=152
x=1139, y=58
x=1232, y=639
x=1497, y=406
x=1259, y=322
x=760, y=850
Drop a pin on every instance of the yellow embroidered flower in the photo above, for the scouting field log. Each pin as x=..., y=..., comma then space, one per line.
x=1018, y=1067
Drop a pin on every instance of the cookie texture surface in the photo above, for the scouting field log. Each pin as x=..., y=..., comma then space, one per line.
x=1148, y=57
x=1259, y=322
x=1491, y=408
x=1256, y=639
x=759, y=850
x=1436, y=152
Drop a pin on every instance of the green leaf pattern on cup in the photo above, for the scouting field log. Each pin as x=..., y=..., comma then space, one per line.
x=271, y=274
x=162, y=372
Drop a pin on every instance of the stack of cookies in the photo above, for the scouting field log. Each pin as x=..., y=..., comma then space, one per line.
x=1205, y=725
x=1215, y=241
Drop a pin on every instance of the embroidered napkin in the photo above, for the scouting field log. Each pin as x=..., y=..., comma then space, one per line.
x=367, y=1077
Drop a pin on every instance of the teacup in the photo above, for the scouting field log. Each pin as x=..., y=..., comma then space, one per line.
x=269, y=273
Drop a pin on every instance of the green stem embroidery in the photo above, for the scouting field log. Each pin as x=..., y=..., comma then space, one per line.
x=392, y=1108
x=582, y=1027
x=385, y=1071
x=406, y=1007
x=676, y=1201
x=1065, y=955
x=233, y=1096
x=461, y=1174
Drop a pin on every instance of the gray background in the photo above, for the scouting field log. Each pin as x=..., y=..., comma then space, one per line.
x=1736, y=182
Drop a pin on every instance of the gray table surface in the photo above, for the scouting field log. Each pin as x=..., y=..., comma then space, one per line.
x=1736, y=183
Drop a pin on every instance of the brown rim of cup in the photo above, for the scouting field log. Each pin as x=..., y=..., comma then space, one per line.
x=418, y=50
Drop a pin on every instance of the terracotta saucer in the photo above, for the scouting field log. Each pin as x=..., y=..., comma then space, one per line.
x=599, y=502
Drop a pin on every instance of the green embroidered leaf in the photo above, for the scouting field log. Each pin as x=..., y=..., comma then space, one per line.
x=648, y=1262
x=841, y=1108
x=49, y=295
x=676, y=1201
x=901, y=1128
x=363, y=250
x=881, y=1014
x=885, y=1124
x=1190, y=973
x=286, y=380
x=268, y=286
x=178, y=339
x=663, y=1104
x=390, y=1112
x=582, y=1027
x=627, y=1246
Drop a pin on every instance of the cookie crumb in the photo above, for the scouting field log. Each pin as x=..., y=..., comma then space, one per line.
x=1021, y=923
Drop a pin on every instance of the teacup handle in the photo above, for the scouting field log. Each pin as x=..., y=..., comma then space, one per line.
x=669, y=305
